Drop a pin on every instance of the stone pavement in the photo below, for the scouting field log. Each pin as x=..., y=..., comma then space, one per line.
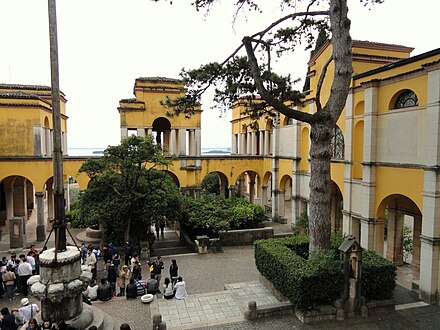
x=234, y=269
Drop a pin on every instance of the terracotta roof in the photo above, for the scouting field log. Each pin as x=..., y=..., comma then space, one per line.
x=19, y=95
x=132, y=100
x=28, y=87
x=159, y=79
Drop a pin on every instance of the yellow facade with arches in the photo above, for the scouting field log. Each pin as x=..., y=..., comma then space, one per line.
x=386, y=152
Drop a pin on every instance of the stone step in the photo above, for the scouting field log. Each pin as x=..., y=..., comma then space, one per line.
x=158, y=244
x=170, y=251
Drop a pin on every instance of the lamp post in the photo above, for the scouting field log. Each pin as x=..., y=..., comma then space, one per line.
x=59, y=224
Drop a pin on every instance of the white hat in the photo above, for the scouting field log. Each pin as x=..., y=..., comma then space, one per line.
x=24, y=301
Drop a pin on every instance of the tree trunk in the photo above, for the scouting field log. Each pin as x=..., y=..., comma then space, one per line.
x=127, y=230
x=320, y=186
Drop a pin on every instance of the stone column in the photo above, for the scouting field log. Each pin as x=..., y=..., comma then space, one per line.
x=415, y=262
x=395, y=236
x=38, y=141
x=20, y=200
x=173, y=140
x=379, y=234
x=50, y=207
x=266, y=143
x=149, y=131
x=124, y=132
x=234, y=149
x=192, y=144
x=430, y=237
x=252, y=190
x=41, y=229
x=182, y=142
x=263, y=195
x=348, y=142
x=198, y=142
x=261, y=143
x=141, y=132
x=249, y=143
x=9, y=194
x=254, y=143
x=281, y=202
x=231, y=191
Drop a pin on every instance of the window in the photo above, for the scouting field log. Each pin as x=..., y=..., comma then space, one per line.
x=407, y=99
x=338, y=144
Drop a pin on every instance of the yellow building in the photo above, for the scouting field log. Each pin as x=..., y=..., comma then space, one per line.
x=385, y=152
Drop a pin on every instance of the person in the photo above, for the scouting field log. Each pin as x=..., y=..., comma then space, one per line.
x=152, y=285
x=140, y=285
x=9, y=281
x=108, y=256
x=24, y=271
x=128, y=253
x=157, y=269
x=31, y=260
x=124, y=326
x=91, y=262
x=157, y=228
x=92, y=290
x=180, y=287
x=124, y=275
x=112, y=277
x=112, y=248
x=28, y=310
x=104, y=290
x=168, y=292
x=47, y=325
x=173, y=271
x=8, y=320
x=33, y=325
x=162, y=226
x=136, y=271
x=131, y=290
x=83, y=253
x=116, y=261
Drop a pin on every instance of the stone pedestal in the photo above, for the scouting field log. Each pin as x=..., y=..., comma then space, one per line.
x=59, y=287
x=16, y=233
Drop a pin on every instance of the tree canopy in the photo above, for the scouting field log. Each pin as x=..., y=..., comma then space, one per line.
x=249, y=76
x=129, y=189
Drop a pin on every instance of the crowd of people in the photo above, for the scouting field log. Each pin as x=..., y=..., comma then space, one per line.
x=15, y=272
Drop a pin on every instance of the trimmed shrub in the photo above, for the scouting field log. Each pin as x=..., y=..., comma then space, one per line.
x=306, y=283
x=378, y=276
x=318, y=279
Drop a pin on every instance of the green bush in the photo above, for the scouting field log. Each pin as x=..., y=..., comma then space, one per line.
x=211, y=214
x=378, y=276
x=318, y=279
x=306, y=283
x=74, y=216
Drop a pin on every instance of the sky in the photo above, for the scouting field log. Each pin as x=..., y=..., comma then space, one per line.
x=104, y=45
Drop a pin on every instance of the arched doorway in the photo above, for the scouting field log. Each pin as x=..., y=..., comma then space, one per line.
x=402, y=228
x=336, y=209
x=161, y=132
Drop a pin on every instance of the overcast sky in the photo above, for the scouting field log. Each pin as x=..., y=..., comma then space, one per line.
x=104, y=45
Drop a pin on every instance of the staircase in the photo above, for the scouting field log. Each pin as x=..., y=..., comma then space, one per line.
x=169, y=244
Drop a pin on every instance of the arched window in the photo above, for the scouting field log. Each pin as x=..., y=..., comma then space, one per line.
x=407, y=99
x=338, y=144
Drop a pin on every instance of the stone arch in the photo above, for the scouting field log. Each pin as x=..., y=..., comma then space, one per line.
x=222, y=182
x=359, y=108
x=248, y=185
x=17, y=198
x=286, y=185
x=336, y=208
x=397, y=212
x=288, y=121
x=404, y=98
x=358, y=149
x=174, y=178
x=161, y=131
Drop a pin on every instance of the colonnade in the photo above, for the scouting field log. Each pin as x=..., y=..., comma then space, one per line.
x=252, y=143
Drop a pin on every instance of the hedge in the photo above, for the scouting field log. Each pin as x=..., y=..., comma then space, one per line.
x=319, y=279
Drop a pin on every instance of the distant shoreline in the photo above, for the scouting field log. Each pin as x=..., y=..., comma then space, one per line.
x=100, y=151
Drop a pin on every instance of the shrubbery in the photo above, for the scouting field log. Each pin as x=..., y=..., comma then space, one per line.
x=210, y=214
x=308, y=282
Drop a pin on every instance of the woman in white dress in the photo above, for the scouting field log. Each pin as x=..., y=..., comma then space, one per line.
x=180, y=288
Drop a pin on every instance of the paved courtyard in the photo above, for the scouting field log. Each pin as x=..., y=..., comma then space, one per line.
x=210, y=306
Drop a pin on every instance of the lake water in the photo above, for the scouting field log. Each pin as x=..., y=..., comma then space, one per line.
x=99, y=151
